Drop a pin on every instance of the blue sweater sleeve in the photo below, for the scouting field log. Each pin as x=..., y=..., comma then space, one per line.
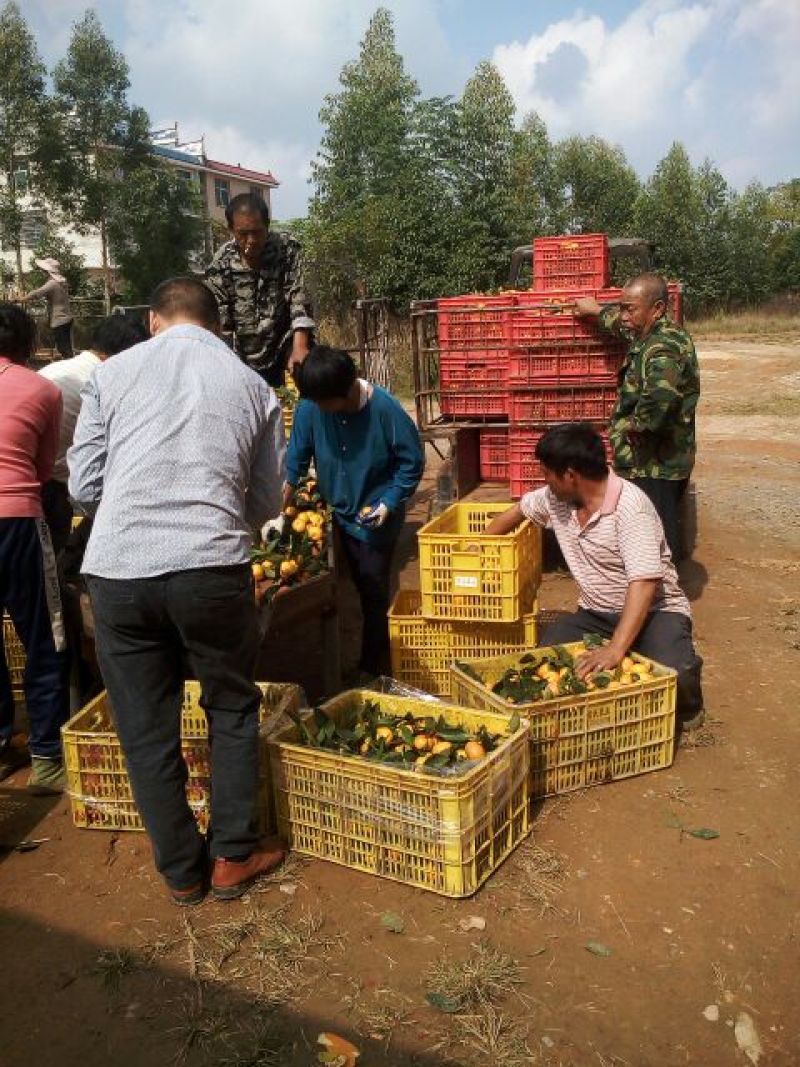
x=407, y=449
x=300, y=450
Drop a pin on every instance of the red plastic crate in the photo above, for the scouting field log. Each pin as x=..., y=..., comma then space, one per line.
x=474, y=405
x=475, y=322
x=572, y=261
x=525, y=471
x=552, y=402
x=493, y=455
x=466, y=370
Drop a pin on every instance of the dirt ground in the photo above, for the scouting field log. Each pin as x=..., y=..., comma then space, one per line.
x=687, y=937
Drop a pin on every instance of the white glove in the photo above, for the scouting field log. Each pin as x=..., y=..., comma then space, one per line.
x=273, y=526
x=373, y=517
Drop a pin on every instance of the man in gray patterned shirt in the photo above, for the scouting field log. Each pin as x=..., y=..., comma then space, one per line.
x=257, y=281
x=179, y=452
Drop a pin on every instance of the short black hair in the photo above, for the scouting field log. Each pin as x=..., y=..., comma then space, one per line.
x=653, y=286
x=573, y=446
x=246, y=204
x=325, y=374
x=187, y=297
x=115, y=333
x=17, y=333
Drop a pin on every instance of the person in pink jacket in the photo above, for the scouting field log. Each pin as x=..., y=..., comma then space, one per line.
x=30, y=418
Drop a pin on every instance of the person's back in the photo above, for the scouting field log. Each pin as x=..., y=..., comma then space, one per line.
x=179, y=448
x=30, y=412
x=184, y=419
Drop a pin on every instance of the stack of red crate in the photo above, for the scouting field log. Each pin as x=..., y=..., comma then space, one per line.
x=525, y=357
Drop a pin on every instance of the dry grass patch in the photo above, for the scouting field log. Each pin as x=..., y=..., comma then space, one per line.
x=484, y=977
x=753, y=325
x=785, y=406
x=114, y=964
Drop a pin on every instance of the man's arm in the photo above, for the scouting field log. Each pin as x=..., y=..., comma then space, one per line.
x=638, y=601
x=409, y=461
x=533, y=506
x=48, y=443
x=300, y=309
x=216, y=281
x=86, y=458
x=607, y=316
x=42, y=291
x=300, y=450
x=268, y=469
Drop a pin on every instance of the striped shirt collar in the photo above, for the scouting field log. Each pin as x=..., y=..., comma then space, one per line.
x=613, y=490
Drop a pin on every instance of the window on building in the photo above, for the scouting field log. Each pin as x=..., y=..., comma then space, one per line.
x=22, y=178
x=33, y=226
x=257, y=190
x=222, y=192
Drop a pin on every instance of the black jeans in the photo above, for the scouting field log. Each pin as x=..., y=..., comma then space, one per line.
x=666, y=498
x=665, y=637
x=62, y=336
x=370, y=568
x=29, y=592
x=57, y=512
x=146, y=629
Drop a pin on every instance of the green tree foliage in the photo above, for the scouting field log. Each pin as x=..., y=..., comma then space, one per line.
x=535, y=194
x=107, y=138
x=483, y=169
x=22, y=120
x=154, y=227
x=598, y=187
x=360, y=171
x=783, y=210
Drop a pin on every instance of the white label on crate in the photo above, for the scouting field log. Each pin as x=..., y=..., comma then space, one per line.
x=465, y=581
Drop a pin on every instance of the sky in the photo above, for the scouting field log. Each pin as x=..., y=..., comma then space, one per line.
x=722, y=76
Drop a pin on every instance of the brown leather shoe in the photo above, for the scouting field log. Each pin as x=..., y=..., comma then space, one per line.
x=231, y=878
x=185, y=898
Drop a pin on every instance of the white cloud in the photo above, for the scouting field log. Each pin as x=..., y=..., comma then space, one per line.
x=773, y=28
x=630, y=70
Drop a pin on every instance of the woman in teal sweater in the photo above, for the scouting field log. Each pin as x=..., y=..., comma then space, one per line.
x=369, y=460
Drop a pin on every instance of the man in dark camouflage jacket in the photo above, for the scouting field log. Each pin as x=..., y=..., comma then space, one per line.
x=652, y=427
x=257, y=280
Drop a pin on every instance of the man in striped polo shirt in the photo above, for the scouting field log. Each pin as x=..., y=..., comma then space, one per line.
x=614, y=544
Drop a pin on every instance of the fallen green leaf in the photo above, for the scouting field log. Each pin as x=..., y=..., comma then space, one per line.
x=393, y=922
x=704, y=833
x=598, y=949
x=444, y=1003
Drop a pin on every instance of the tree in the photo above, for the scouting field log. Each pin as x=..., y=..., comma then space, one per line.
x=154, y=227
x=22, y=105
x=668, y=212
x=783, y=211
x=106, y=137
x=598, y=187
x=360, y=168
x=483, y=180
x=535, y=200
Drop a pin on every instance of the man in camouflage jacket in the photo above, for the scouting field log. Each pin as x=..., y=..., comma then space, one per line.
x=652, y=427
x=257, y=280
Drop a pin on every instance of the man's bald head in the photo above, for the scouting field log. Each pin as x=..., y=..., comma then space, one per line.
x=651, y=287
x=643, y=303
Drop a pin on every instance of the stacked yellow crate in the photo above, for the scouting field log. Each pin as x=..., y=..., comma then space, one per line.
x=477, y=597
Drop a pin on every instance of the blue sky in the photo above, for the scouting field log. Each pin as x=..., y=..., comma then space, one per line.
x=723, y=76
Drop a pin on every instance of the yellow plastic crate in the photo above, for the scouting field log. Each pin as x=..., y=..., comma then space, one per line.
x=97, y=777
x=586, y=739
x=423, y=649
x=467, y=575
x=443, y=833
x=288, y=419
x=15, y=658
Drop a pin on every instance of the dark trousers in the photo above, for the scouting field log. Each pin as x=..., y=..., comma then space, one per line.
x=370, y=568
x=146, y=630
x=666, y=499
x=62, y=337
x=29, y=593
x=666, y=637
x=57, y=512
